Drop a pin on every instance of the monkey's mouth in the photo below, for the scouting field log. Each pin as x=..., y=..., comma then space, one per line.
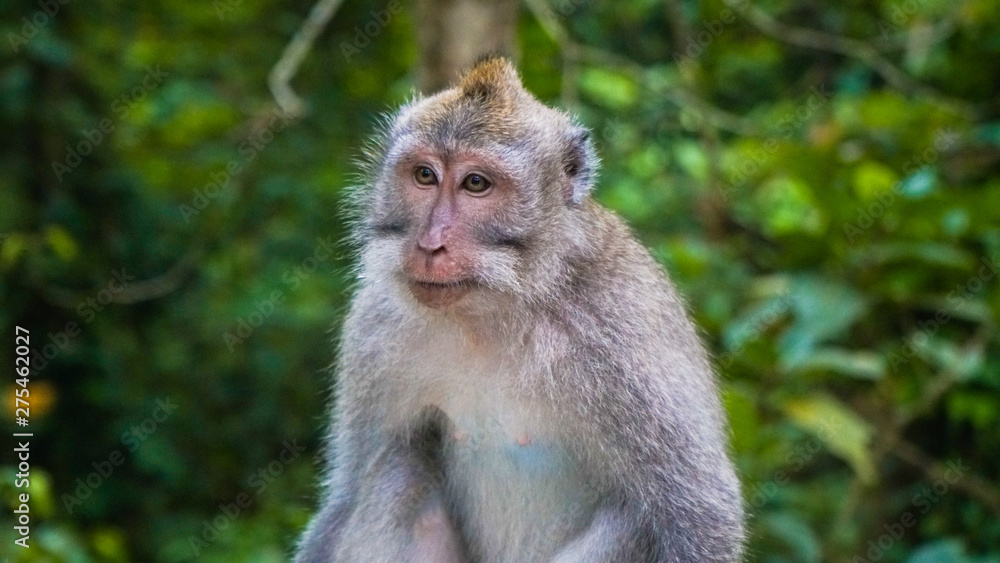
x=440, y=294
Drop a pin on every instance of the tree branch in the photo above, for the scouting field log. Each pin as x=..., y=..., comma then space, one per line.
x=133, y=292
x=574, y=53
x=823, y=41
x=295, y=52
x=973, y=485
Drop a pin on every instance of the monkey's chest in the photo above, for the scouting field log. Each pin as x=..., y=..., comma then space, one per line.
x=507, y=444
x=514, y=482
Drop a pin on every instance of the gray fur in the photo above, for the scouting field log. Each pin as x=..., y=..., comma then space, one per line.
x=575, y=339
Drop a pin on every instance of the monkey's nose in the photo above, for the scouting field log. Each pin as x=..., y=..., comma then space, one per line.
x=430, y=248
x=431, y=251
x=433, y=258
x=431, y=242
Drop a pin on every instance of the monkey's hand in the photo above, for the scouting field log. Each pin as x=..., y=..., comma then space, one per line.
x=435, y=539
x=400, y=513
x=603, y=541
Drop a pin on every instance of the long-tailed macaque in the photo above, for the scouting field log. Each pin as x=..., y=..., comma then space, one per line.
x=518, y=381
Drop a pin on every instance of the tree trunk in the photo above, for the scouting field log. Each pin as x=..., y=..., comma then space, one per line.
x=453, y=34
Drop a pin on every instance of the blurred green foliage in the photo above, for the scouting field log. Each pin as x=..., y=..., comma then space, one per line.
x=832, y=215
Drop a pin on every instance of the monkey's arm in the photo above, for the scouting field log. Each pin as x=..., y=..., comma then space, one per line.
x=670, y=508
x=400, y=513
x=323, y=536
x=653, y=411
x=392, y=510
x=384, y=497
x=608, y=538
x=360, y=466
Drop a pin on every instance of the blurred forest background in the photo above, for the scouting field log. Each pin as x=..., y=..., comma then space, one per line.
x=819, y=178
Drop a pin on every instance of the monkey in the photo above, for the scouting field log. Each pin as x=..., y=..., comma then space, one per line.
x=517, y=377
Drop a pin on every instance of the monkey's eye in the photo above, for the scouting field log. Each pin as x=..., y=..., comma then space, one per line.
x=425, y=176
x=476, y=184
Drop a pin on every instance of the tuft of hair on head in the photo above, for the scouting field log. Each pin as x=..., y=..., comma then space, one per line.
x=491, y=78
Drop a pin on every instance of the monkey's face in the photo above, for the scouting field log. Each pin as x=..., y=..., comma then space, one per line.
x=474, y=193
x=456, y=213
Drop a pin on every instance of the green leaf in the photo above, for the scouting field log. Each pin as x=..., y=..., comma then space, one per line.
x=845, y=433
x=981, y=410
x=788, y=207
x=755, y=321
x=610, y=89
x=823, y=309
x=884, y=110
x=742, y=414
x=627, y=197
x=988, y=133
x=955, y=221
x=790, y=529
x=962, y=362
x=110, y=543
x=61, y=242
x=42, y=495
x=12, y=247
x=859, y=364
x=941, y=551
x=919, y=184
x=932, y=253
x=872, y=179
x=692, y=158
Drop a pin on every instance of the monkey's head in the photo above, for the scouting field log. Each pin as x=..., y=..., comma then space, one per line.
x=476, y=191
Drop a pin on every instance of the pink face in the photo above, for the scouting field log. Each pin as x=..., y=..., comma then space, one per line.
x=448, y=197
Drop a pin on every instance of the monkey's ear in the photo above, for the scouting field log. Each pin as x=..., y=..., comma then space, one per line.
x=580, y=164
